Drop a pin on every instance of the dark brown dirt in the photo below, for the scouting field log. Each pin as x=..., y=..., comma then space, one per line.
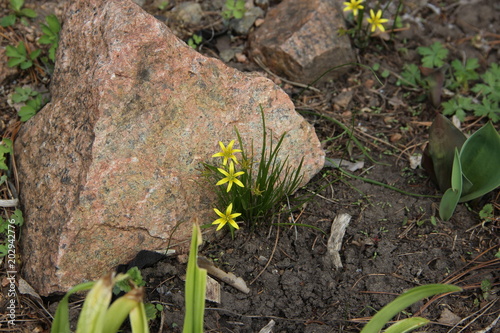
x=394, y=241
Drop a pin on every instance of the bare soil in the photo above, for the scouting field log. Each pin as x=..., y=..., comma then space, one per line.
x=394, y=241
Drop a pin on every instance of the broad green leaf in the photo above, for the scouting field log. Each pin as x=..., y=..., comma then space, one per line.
x=35, y=54
x=451, y=197
x=14, y=62
x=407, y=325
x=480, y=160
x=28, y=12
x=17, y=4
x=53, y=22
x=26, y=64
x=8, y=20
x=403, y=301
x=12, y=51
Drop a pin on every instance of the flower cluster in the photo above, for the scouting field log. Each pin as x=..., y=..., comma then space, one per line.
x=227, y=154
x=375, y=21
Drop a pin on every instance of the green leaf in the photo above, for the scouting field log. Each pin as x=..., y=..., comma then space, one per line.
x=8, y=21
x=403, y=301
x=433, y=56
x=16, y=4
x=93, y=315
x=480, y=159
x=407, y=325
x=18, y=218
x=196, y=279
x=411, y=75
x=35, y=54
x=451, y=197
x=60, y=324
x=135, y=276
x=28, y=13
x=12, y=51
x=120, y=309
x=458, y=105
x=487, y=109
x=54, y=24
x=464, y=73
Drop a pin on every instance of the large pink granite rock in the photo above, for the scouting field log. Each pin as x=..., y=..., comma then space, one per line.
x=300, y=39
x=109, y=167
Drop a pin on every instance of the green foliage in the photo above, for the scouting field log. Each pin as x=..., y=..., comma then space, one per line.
x=135, y=276
x=50, y=35
x=18, y=12
x=163, y=5
x=434, y=55
x=411, y=76
x=152, y=310
x=195, y=41
x=384, y=73
x=5, y=148
x=234, y=9
x=473, y=170
x=18, y=56
x=463, y=74
x=32, y=99
x=196, y=280
x=400, y=303
x=97, y=314
x=487, y=108
x=491, y=85
x=16, y=220
x=486, y=212
x=490, y=90
x=458, y=105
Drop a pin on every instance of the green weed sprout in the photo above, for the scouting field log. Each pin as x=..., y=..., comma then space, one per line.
x=97, y=315
x=16, y=220
x=254, y=192
x=50, y=35
x=18, y=12
x=400, y=303
x=360, y=33
x=195, y=40
x=32, y=100
x=19, y=56
x=233, y=9
x=433, y=56
x=5, y=148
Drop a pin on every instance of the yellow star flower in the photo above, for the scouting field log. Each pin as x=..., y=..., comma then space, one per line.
x=227, y=152
x=377, y=20
x=230, y=177
x=226, y=218
x=354, y=5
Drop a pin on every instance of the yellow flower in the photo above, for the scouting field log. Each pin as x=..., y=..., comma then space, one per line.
x=377, y=20
x=354, y=5
x=227, y=152
x=230, y=177
x=225, y=218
